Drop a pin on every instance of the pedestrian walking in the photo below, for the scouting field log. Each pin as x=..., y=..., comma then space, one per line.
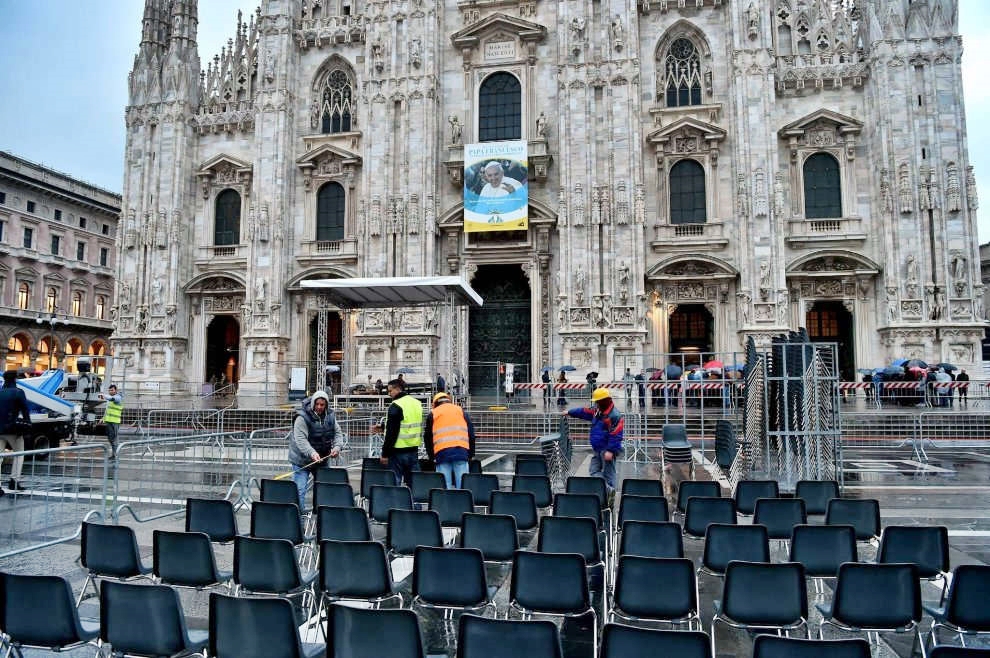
x=547, y=388
x=641, y=386
x=627, y=380
x=403, y=433
x=316, y=435
x=112, y=415
x=605, y=435
x=441, y=383
x=15, y=420
x=448, y=435
x=963, y=387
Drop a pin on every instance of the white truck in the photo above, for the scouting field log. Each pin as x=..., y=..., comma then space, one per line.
x=62, y=405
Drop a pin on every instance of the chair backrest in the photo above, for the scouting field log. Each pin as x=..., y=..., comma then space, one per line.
x=947, y=651
x=384, y=499
x=748, y=491
x=772, y=646
x=481, y=486
x=276, y=521
x=408, y=529
x=966, y=604
x=332, y=494
x=423, y=482
x=816, y=494
x=450, y=504
x=214, y=517
x=725, y=543
x=643, y=508
x=519, y=504
x=23, y=598
x=702, y=512
x=641, y=487
x=534, y=465
x=780, y=515
x=862, y=514
x=492, y=534
x=620, y=641
x=588, y=485
x=700, y=488
x=561, y=534
x=126, y=611
x=373, y=464
x=822, y=548
x=450, y=577
x=474, y=466
x=357, y=633
x=184, y=558
x=925, y=546
x=330, y=475
x=280, y=491
x=675, y=435
x=877, y=595
x=354, y=569
x=759, y=594
x=342, y=524
x=371, y=477
x=553, y=583
x=538, y=485
x=110, y=550
x=480, y=637
x=662, y=540
x=252, y=628
x=265, y=565
x=578, y=505
x=655, y=588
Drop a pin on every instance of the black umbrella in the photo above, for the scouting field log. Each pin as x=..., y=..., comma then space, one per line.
x=893, y=370
x=652, y=370
x=916, y=363
x=948, y=367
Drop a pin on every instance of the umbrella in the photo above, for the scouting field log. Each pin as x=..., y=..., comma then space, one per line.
x=899, y=362
x=948, y=367
x=735, y=366
x=694, y=367
x=864, y=371
x=652, y=370
x=546, y=369
x=714, y=364
x=334, y=369
x=406, y=371
x=593, y=375
x=893, y=370
x=916, y=363
x=915, y=370
x=673, y=371
x=567, y=368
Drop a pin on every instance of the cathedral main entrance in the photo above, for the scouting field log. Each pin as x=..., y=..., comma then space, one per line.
x=223, y=338
x=692, y=329
x=499, y=331
x=831, y=322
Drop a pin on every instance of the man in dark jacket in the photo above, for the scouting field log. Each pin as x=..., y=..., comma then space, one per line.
x=403, y=433
x=13, y=412
x=605, y=434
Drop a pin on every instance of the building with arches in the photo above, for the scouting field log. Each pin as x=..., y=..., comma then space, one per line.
x=699, y=173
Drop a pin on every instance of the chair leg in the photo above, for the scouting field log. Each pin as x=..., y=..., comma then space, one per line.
x=90, y=579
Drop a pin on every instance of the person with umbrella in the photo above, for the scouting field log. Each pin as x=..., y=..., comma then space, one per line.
x=605, y=436
x=943, y=388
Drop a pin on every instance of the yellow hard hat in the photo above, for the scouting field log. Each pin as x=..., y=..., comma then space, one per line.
x=440, y=396
x=600, y=394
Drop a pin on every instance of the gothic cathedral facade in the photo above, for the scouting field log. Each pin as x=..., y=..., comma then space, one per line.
x=700, y=171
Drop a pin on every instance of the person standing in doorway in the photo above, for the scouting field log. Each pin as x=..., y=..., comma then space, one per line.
x=316, y=435
x=112, y=416
x=449, y=438
x=14, y=418
x=403, y=433
x=605, y=435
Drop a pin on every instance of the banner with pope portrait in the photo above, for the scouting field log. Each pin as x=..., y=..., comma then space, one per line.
x=496, y=187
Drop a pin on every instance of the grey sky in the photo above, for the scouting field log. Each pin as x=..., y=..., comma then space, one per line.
x=64, y=66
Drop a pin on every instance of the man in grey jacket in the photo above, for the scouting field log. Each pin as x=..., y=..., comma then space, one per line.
x=316, y=435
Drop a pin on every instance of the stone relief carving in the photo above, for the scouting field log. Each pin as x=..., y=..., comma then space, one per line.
x=972, y=199
x=886, y=198
x=617, y=32
x=416, y=52
x=759, y=193
x=742, y=196
x=764, y=312
x=779, y=205
x=578, y=205
x=904, y=194
x=958, y=270
x=911, y=275
x=892, y=304
x=953, y=189
x=765, y=279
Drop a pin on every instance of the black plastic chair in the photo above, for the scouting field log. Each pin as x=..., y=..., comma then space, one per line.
x=474, y=466
x=374, y=464
x=146, y=620
x=659, y=540
x=958, y=652
x=748, y=491
x=342, y=524
x=552, y=584
x=479, y=637
x=355, y=633
x=40, y=612
x=373, y=477
x=728, y=543
x=925, y=546
x=874, y=598
x=531, y=465
x=965, y=612
x=268, y=567
x=281, y=521
x=354, y=570
x=450, y=504
x=654, y=589
x=214, y=517
x=579, y=505
x=256, y=628
x=862, y=514
x=109, y=552
x=384, y=499
x=773, y=646
x=481, y=486
x=621, y=641
x=695, y=488
x=519, y=504
x=492, y=534
x=538, y=485
x=561, y=534
x=762, y=596
x=330, y=475
x=816, y=494
x=424, y=482
x=641, y=487
x=408, y=529
x=822, y=549
x=280, y=491
x=332, y=494
x=779, y=516
x=702, y=512
x=450, y=579
x=675, y=447
x=643, y=508
x=186, y=559
x=588, y=485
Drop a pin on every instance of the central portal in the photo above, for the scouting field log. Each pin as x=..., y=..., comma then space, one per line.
x=499, y=331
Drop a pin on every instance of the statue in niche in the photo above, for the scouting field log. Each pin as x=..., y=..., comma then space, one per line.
x=156, y=291
x=124, y=298
x=911, y=272
x=617, y=32
x=259, y=291
x=245, y=318
x=270, y=66
x=541, y=126
x=972, y=198
x=904, y=195
x=745, y=300
x=577, y=28
x=264, y=223
x=170, y=319
x=978, y=305
x=778, y=195
x=765, y=276
x=753, y=21
x=378, y=53
x=276, y=313
x=953, y=192
x=958, y=267
x=580, y=279
x=891, y=304
x=938, y=310
x=314, y=114
x=416, y=52
x=456, y=129
x=783, y=308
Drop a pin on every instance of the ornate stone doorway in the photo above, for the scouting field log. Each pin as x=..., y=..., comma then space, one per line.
x=223, y=337
x=501, y=329
x=692, y=330
x=831, y=322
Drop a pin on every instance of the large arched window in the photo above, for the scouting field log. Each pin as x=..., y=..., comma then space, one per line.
x=51, y=300
x=335, y=103
x=681, y=79
x=687, y=193
x=330, y=212
x=227, y=226
x=500, y=108
x=822, y=191
x=23, y=295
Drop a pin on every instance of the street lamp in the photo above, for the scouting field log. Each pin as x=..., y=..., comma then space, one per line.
x=52, y=320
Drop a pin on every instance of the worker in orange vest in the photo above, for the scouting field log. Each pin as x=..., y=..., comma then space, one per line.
x=448, y=435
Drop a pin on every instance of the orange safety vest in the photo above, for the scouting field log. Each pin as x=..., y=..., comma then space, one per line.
x=449, y=428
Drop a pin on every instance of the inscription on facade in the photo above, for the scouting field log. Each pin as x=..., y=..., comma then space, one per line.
x=500, y=50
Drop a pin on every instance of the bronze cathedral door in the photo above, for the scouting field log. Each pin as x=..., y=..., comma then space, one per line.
x=499, y=331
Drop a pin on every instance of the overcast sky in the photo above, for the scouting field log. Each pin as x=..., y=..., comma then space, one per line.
x=64, y=66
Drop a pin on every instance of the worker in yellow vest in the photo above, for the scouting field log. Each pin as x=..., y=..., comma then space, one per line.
x=403, y=433
x=449, y=437
x=112, y=415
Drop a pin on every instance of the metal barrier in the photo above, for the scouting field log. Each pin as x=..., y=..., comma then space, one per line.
x=956, y=429
x=164, y=423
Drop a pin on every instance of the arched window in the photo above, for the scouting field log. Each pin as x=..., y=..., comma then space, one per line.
x=330, y=212
x=77, y=303
x=23, y=295
x=335, y=103
x=687, y=193
x=822, y=191
x=51, y=300
x=500, y=108
x=681, y=79
x=227, y=226
x=100, y=307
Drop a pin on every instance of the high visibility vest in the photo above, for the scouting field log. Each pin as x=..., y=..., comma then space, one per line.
x=411, y=429
x=450, y=428
x=113, y=413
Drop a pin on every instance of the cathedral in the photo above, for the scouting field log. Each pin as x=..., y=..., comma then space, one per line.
x=699, y=172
